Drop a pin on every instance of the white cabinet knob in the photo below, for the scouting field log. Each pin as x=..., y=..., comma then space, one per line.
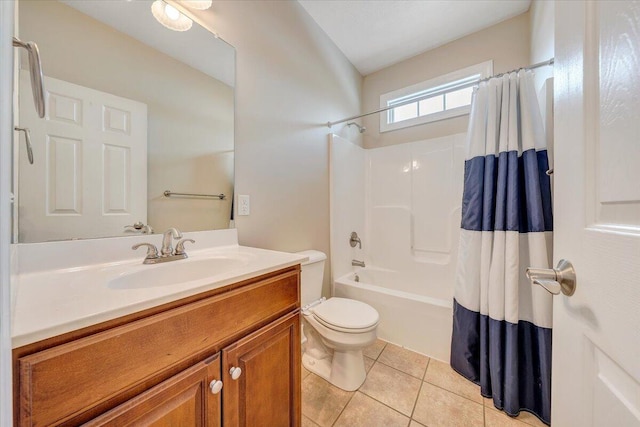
x=215, y=386
x=235, y=372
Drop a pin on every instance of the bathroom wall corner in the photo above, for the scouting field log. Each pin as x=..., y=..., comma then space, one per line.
x=6, y=134
x=347, y=201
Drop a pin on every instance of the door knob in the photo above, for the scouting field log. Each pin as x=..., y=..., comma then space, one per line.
x=235, y=372
x=555, y=280
x=215, y=386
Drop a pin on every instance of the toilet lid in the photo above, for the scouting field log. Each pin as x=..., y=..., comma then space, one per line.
x=346, y=313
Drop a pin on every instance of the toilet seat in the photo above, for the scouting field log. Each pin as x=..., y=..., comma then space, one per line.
x=346, y=315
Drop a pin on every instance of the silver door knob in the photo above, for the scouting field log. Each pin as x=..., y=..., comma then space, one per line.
x=235, y=372
x=215, y=386
x=555, y=280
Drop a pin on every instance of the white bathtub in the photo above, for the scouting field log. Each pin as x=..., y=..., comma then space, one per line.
x=417, y=322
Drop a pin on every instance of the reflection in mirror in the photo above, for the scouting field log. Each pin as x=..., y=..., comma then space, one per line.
x=133, y=110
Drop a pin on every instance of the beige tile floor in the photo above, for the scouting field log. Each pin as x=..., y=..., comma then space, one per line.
x=403, y=388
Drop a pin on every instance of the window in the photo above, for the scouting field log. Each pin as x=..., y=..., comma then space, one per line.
x=435, y=99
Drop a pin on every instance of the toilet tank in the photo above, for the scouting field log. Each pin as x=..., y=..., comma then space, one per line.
x=311, y=277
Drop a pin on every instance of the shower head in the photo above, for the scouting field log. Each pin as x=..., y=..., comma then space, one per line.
x=360, y=128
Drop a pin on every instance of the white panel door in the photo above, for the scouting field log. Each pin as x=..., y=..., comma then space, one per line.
x=89, y=177
x=596, y=335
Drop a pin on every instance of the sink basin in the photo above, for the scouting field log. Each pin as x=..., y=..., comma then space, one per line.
x=174, y=272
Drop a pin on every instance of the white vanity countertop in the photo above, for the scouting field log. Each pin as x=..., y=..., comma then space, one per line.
x=47, y=303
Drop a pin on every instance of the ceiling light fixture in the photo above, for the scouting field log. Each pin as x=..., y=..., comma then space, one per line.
x=196, y=4
x=170, y=17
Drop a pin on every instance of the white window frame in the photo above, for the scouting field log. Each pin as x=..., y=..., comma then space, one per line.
x=430, y=88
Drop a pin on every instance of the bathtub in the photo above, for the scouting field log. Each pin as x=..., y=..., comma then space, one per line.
x=417, y=322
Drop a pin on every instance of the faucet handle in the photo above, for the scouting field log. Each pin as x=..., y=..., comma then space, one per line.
x=355, y=240
x=152, y=251
x=180, y=246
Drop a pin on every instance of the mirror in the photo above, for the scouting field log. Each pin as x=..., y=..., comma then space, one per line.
x=133, y=110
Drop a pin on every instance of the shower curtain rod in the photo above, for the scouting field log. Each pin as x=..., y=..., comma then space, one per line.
x=411, y=101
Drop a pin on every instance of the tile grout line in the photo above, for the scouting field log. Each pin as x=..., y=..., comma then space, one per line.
x=484, y=414
x=424, y=375
x=422, y=380
x=402, y=372
x=391, y=367
x=399, y=370
x=358, y=389
x=419, y=390
x=345, y=406
x=453, y=392
x=330, y=385
x=381, y=350
x=382, y=403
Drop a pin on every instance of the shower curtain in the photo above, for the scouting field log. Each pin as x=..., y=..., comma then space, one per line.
x=501, y=323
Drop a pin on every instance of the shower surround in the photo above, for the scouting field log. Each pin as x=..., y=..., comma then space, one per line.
x=404, y=202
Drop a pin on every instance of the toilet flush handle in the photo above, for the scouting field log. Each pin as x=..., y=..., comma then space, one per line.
x=235, y=372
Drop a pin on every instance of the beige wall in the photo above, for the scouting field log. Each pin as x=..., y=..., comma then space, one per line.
x=542, y=37
x=290, y=80
x=542, y=14
x=190, y=115
x=506, y=43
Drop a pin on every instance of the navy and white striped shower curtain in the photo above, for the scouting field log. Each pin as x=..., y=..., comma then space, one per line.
x=501, y=323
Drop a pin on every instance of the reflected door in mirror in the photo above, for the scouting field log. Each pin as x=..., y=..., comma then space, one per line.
x=90, y=164
x=119, y=49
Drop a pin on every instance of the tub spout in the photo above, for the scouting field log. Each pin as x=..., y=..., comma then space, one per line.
x=356, y=263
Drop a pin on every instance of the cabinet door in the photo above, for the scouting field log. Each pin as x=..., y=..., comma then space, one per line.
x=183, y=400
x=267, y=392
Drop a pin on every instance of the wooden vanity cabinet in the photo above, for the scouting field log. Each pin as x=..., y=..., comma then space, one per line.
x=182, y=400
x=155, y=367
x=267, y=392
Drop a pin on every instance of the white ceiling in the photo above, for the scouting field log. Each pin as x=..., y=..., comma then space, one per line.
x=374, y=34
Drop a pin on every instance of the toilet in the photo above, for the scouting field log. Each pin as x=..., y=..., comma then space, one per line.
x=334, y=330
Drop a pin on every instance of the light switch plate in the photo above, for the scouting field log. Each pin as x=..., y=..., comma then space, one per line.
x=244, y=205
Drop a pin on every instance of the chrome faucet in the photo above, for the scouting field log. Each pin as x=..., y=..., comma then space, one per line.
x=167, y=236
x=356, y=263
x=139, y=227
x=166, y=253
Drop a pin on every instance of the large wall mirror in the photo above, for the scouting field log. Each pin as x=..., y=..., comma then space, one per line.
x=133, y=110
